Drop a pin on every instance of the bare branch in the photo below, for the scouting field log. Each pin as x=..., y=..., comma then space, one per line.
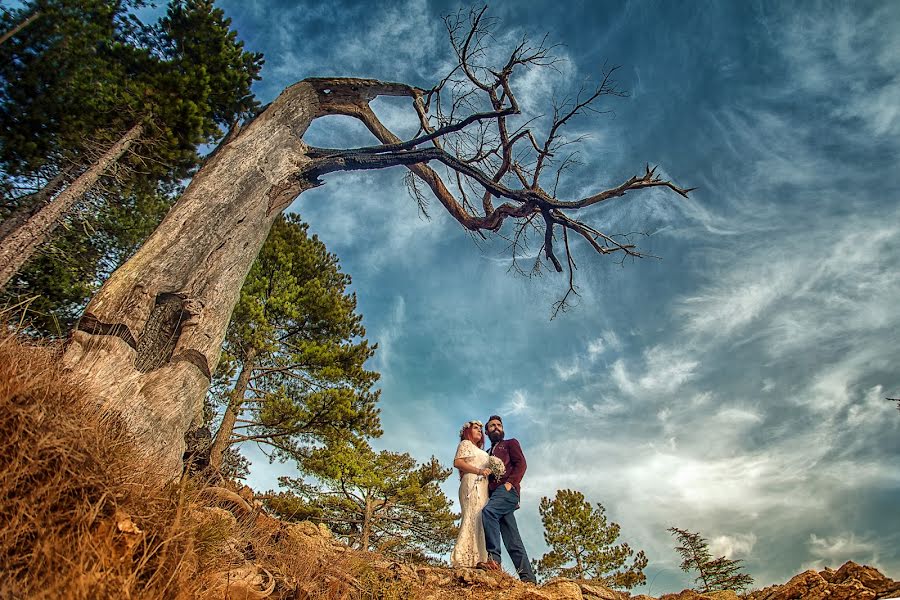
x=464, y=126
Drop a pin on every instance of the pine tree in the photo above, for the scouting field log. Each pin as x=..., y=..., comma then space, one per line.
x=88, y=71
x=713, y=574
x=581, y=537
x=294, y=356
x=89, y=94
x=374, y=500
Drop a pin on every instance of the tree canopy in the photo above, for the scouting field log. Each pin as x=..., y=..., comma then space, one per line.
x=713, y=574
x=71, y=83
x=582, y=543
x=293, y=370
x=87, y=70
x=374, y=500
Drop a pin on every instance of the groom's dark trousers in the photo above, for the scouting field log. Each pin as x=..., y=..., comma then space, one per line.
x=500, y=522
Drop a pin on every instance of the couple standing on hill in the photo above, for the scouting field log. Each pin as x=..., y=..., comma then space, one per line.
x=488, y=497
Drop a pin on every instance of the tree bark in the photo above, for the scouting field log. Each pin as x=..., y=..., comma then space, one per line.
x=366, y=526
x=17, y=247
x=223, y=435
x=151, y=337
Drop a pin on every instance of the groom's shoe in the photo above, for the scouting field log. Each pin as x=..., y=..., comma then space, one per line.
x=488, y=565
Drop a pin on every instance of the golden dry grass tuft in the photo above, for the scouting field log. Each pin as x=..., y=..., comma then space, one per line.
x=78, y=519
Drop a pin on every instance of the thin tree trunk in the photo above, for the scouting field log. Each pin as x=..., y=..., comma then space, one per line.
x=223, y=435
x=31, y=19
x=29, y=205
x=150, y=339
x=17, y=247
x=366, y=526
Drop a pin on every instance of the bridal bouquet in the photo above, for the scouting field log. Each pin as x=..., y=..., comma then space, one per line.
x=497, y=467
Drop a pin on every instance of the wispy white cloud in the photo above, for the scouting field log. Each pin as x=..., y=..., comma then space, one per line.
x=596, y=348
x=732, y=545
x=847, y=52
x=517, y=404
x=566, y=370
x=834, y=550
x=662, y=370
x=380, y=229
x=387, y=335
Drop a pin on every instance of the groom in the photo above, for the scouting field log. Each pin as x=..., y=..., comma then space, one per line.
x=497, y=515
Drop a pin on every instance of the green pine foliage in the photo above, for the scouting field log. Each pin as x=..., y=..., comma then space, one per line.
x=296, y=331
x=583, y=544
x=59, y=79
x=381, y=501
x=713, y=574
x=72, y=83
x=87, y=71
x=52, y=289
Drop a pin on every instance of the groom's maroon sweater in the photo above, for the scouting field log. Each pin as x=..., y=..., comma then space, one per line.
x=510, y=452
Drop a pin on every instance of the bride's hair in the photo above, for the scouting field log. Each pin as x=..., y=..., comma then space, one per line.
x=466, y=433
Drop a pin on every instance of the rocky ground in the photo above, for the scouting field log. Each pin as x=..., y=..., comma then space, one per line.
x=850, y=581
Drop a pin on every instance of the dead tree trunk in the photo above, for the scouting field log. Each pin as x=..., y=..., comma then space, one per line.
x=223, y=435
x=150, y=339
x=17, y=247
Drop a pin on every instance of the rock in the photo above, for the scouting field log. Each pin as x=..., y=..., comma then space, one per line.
x=867, y=576
x=563, y=589
x=246, y=582
x=398, y=571
x=596, y=591
x=695, y=595
x=209, y=516
x=477, y=577
x=305, y=528
x=311, y=535
x=324, y=531
x=685, y=595
x=850, y=582
x=809, y=585
x=533, y=593
x=432, y=577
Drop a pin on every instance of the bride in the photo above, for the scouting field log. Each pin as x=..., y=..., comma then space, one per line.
x=473, y=464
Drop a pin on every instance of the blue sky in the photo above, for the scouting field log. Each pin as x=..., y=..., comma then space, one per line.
x=736, y=385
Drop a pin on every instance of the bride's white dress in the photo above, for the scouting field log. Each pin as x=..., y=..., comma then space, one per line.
x=473, y=495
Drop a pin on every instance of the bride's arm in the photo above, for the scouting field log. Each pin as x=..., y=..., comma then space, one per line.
x=466, y=467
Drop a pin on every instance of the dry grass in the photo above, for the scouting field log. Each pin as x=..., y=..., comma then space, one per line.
x=81, y=518
x=78, y=520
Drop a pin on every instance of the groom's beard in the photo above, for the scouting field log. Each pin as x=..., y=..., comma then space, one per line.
x=495, y=436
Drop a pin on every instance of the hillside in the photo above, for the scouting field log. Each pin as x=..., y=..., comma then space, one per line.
x=84, y=517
